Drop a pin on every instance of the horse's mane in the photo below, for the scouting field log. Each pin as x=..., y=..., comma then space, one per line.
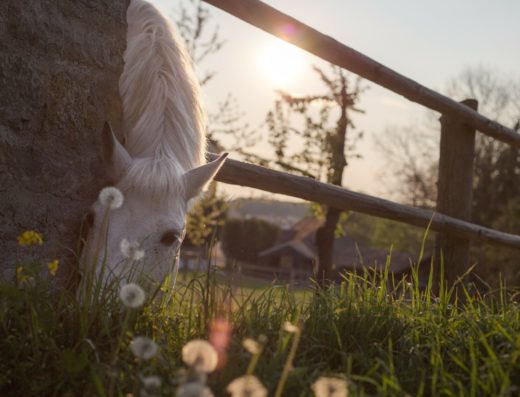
x=163, y=119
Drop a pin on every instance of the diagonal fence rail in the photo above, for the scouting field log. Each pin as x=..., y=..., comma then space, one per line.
x=295, y=32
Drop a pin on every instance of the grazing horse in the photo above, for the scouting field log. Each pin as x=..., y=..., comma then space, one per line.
x=160, y=167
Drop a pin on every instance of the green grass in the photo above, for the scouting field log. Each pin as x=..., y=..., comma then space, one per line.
x=384, y=345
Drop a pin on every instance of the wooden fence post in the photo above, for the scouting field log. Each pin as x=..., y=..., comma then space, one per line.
x=455, y=191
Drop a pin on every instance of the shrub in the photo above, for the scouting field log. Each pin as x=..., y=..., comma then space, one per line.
x=244, y=239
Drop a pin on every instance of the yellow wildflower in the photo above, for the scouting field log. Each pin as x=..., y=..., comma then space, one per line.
x=21, y=276
x=53, y=267
x=30, y=237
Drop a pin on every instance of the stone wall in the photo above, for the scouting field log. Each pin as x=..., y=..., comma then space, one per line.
x=60, y=63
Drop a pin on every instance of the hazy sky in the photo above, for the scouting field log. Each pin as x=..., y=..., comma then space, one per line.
x=429, y=42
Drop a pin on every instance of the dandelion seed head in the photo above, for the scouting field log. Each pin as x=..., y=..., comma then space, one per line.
x=194, y=389
x=111, y=197
x=30, y=237
x=132, y=295
x=251, y=345
x=289, y=327
x=144, y=393
x=151, y=384
x=131, y=250
x=200, y=355
x=183, y=375
x=246, y=386
x=330, y=387
x=144, y=348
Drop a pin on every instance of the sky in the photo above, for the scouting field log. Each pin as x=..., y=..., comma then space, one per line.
x=430, y=42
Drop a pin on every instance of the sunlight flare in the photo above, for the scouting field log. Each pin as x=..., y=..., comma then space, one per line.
x=281, y=62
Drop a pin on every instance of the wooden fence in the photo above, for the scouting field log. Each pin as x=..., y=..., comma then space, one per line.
x=459, y=122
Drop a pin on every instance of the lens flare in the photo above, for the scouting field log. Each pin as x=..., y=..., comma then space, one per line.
x=282, y=62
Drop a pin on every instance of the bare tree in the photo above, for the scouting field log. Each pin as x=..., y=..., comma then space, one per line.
x=496, y=167
x=309, y=137
x=411, y=151
x=412, y=159
x=411, y=155
x=202, y=38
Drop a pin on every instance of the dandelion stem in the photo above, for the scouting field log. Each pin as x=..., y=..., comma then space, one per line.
x=121, y=335
x=117, y=350
x=252, y=363
x=136, y=379
x=288, y=364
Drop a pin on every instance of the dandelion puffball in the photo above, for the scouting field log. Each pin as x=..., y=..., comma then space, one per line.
x=246, y=386
x=251, y=345
x=330, y=387
x=111, y=197
x=287, y=326
x=131, y=250
x=144, y=348
x=151, y=384
x=200, y=355
x=132, y=295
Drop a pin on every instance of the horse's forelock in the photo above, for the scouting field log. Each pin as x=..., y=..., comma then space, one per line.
x=159, y=179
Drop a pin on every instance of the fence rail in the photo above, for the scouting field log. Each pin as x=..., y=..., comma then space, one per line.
x=275, y=22
x=244, y=174
x=267, y=272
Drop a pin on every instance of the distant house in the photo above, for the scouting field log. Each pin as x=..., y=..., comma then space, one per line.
x=296, y=253
x=194, y=258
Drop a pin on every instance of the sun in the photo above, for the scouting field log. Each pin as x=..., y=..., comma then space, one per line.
x=281, y=62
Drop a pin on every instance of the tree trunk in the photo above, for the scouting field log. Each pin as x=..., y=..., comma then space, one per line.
x=59, y=69
x=325, y=235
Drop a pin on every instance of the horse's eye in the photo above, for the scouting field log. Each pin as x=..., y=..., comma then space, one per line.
x=89, y=219
x=170, y=237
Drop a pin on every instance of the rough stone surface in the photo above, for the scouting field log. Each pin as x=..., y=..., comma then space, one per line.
x=60, y=63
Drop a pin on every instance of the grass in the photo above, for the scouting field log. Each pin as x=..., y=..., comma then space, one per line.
x=383, y=344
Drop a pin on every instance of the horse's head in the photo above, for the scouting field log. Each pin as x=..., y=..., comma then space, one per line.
x=151, y=218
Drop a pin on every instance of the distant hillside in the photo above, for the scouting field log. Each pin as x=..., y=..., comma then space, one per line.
x=283, y=213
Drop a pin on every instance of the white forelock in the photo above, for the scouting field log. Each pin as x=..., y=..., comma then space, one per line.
x=158, y=178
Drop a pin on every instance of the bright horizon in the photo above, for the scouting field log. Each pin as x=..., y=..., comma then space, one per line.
x=430, y=43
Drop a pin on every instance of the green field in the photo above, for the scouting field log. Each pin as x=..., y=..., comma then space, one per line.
x=382, y=344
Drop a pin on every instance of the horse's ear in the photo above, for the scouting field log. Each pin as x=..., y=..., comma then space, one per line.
x=115, y=156
x=197, y=178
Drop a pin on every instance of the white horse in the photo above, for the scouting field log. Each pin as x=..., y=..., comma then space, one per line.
x=159, y=169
